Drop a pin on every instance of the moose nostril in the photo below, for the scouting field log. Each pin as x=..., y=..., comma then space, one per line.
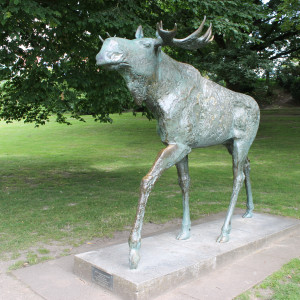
x=116, y=56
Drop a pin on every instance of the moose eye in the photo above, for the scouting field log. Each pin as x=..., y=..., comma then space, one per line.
x=146, y=44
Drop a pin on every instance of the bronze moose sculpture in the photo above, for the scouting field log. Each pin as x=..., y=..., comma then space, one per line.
x=191, y=111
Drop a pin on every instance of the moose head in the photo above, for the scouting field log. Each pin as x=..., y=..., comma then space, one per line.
x=142, y=55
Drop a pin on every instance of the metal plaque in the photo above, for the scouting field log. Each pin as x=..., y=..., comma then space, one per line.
x=102, y=278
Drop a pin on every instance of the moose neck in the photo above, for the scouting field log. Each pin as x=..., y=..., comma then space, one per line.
x=138, y=85
x=149, y=87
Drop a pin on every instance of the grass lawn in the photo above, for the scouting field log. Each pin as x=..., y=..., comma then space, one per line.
x=74, y=183
x=281, y=285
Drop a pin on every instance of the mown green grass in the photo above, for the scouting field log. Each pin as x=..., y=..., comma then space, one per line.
x=281, y=285
x=74, y=183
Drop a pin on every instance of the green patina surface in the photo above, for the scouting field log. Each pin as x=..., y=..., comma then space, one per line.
x=191, y=112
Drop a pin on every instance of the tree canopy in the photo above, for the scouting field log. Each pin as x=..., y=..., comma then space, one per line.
x=48, y=49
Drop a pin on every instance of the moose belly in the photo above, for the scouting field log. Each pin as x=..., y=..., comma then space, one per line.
x=212, y=120
x=202, y=124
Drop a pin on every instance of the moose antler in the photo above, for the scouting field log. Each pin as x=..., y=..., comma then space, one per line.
x=192, y=42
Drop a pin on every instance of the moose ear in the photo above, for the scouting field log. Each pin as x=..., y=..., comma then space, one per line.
x=139, y=32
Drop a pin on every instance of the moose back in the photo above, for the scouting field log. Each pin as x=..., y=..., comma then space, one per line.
x=191, y=111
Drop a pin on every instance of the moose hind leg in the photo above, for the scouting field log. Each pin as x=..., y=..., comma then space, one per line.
x=239, y=154
x=250, y=205
x=184, y=183
x=165, y=159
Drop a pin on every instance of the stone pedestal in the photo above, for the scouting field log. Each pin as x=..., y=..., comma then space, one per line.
x=166, y=262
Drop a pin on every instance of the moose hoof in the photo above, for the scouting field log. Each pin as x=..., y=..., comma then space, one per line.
x=248, y=214
x=185, y=232
x=134, y=255
x=223, y=238
x=183, y=235
x=134, y=258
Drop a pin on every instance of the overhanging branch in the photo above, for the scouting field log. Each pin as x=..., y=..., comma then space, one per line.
x=281, y=54
x=267, y=43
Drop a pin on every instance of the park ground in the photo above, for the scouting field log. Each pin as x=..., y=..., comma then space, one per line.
x=64, y=186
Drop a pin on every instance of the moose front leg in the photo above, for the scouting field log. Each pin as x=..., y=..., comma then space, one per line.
x=184, y=183
x=165, y=159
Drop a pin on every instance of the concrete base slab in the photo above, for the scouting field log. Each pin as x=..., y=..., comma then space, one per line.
x=167, y=263
x=236, y=277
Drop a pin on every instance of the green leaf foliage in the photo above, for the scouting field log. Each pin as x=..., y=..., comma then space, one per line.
x=48, y=58
x=48, y=49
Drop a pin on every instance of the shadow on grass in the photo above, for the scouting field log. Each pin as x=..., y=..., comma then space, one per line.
x=43, y=201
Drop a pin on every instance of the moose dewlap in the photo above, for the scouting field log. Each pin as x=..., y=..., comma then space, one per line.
x=191, y=111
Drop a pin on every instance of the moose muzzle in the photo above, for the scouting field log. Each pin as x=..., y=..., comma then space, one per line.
x=109, y=54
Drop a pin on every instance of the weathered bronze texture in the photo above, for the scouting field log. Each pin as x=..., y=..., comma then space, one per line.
x=191, y=112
